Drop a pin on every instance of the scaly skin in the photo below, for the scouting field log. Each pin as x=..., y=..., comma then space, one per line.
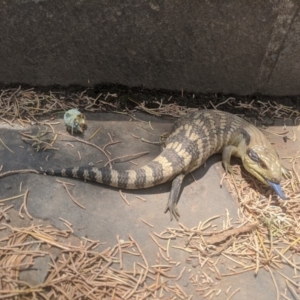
x=193, y=139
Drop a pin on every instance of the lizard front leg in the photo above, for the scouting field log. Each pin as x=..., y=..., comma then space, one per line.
x=226, y=156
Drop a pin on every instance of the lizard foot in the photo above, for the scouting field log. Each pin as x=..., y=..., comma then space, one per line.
x=172, y=208
x=173, y=197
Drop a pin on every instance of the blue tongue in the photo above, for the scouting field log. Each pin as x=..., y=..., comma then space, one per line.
x=277, y=188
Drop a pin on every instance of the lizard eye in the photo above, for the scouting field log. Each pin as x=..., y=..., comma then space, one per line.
x=253, y=155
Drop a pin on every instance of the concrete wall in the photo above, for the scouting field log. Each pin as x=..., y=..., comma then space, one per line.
x=242, y=46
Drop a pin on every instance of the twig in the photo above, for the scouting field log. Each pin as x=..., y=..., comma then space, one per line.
x=126, y=157
x=94, y=133
x=218, y=238
x=294, y=294
x=150, y=225
x=6, y=146
x=11, y=198
x=124, y=197
x=275, y=284
x=88, y=143
x=24, y=205
x=73, y=199
x=14, y=172
x=233, y=293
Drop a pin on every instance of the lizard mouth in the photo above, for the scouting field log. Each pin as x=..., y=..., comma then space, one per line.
x=277, y=188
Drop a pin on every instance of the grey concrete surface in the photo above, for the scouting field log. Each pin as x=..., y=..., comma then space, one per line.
x=106, y=215
x=240, y=47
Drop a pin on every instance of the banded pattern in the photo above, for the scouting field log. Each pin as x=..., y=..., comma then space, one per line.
x=193, y=139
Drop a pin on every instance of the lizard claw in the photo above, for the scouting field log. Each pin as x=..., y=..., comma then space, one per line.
x=229, y=169
x=172, y=208
x=286, y=172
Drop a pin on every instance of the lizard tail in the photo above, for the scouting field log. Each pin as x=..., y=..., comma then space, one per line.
x=162, y=169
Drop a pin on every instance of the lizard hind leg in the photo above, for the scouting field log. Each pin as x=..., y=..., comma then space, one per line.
x=174, y=197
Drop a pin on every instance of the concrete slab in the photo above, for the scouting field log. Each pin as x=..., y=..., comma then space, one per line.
x=106, y=215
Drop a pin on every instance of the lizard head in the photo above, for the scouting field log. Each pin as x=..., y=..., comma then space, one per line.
x=263, y=162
